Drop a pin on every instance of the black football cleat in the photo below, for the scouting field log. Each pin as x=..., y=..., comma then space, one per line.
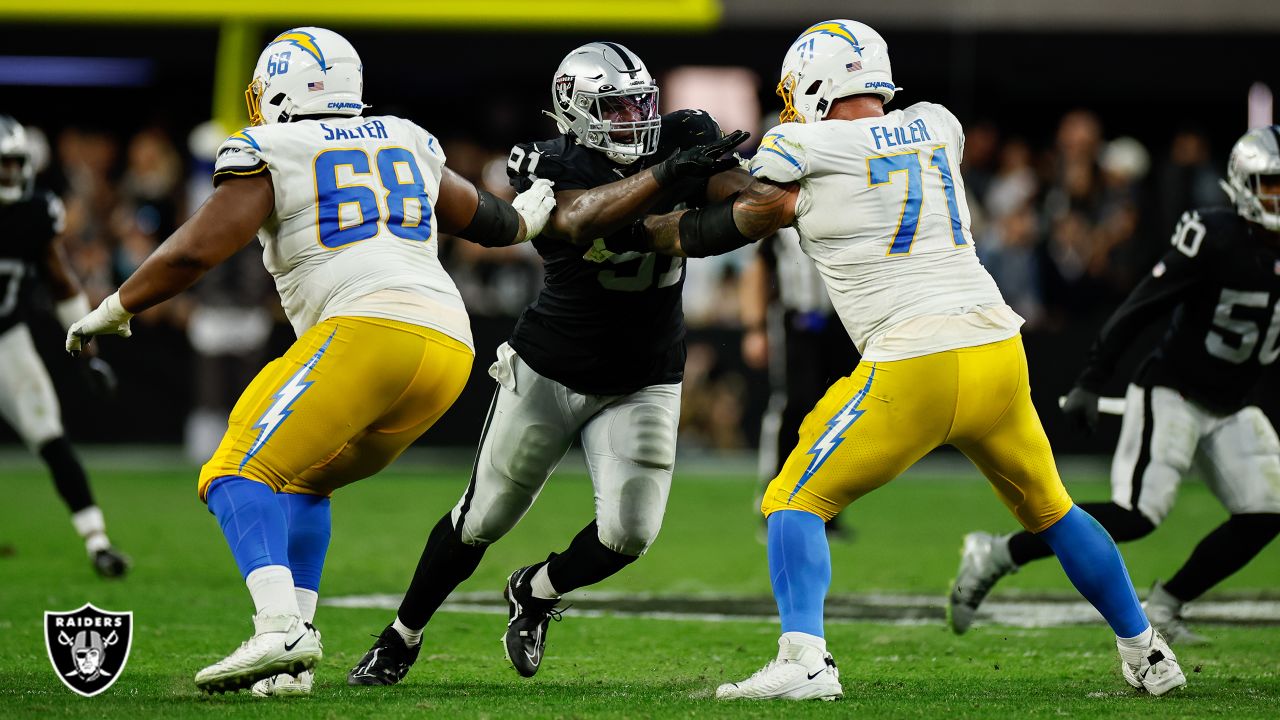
x=386, y=663
x=526, y=635
x=110, y=563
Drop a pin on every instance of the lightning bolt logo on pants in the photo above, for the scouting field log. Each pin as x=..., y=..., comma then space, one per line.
x=284, y=398
x=834, y=434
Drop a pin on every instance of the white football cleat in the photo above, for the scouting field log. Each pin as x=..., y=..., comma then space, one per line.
x=281, y=644
x=284, y=685
x=1165, y=613
x=984, y=560
x=800, y=672
x=1157, y=672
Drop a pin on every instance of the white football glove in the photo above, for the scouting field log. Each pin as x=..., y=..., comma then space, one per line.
x=534, y=206
x=109, y=318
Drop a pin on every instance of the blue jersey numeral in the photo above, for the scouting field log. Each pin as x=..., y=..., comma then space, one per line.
x=880, y=171
x=405, y=210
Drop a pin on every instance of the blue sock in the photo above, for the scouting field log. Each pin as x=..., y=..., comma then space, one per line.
x=309, y=530
x=1093, y=563
x=252, y=521
x=799, y=568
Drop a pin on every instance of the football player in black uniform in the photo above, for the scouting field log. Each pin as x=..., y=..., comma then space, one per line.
x=31, y=255
x=599, y=356
x=1190, y=398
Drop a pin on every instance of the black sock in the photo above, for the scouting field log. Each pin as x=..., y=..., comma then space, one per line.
x=1222, y=552
x=1124, y=525
x=68, y=474
x=445, y=563
x=586, y=562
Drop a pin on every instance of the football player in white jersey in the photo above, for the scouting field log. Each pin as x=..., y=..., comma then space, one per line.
x=880, y=207
x=347, y=209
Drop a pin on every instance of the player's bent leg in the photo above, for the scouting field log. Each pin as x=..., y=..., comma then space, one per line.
x=30, y=406
x=865, y=431
x=630, y=451
x=256, y=529
x=800, y=571
x=309, y=524
x=1221, y=553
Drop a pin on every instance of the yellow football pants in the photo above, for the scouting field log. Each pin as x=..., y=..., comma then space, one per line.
x=874, y=424
x=346, y=399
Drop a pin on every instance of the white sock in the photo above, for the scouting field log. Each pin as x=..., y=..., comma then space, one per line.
x=541, y=585
x=91, y=526
x=1133, y=649
x=411, y=637
x=272, y=591
x=307, y=601
x=806, y=639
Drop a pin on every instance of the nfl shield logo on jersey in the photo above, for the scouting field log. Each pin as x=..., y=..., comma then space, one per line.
x=88, y=647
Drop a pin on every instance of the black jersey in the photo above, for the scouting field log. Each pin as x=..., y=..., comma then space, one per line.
x=1222, y=280
x=615, y=327
x=26, y=229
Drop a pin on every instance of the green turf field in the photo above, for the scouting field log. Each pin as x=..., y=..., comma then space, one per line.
x=190, y=609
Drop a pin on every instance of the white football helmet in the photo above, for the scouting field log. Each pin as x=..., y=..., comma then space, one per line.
x=604, y=96
x=1254, y=155
x=305, y=71
x=831, y=60
x=17, y=172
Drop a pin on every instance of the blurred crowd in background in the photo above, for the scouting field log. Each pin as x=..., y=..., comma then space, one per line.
x=1066, y=227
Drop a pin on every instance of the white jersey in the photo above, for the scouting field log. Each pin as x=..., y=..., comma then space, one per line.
x=353, y=232
x=882, y=212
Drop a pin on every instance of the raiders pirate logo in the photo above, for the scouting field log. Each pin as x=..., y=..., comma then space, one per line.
x=564, y=91
x=88, y=647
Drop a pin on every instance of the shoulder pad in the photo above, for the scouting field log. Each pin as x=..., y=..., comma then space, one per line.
x=1205, y=231
x=239, y=155
x=684, y=129
x=780, y=157
x=546, y=160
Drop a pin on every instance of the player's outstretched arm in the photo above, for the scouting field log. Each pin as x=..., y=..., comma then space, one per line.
x=581, y=216
x=70, y=303
x=1160, y=291
x=228, y=221
x=755, y=213
x=485, y=219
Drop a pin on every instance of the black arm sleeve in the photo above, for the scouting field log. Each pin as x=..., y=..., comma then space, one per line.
x=1161, y=290
x=495, y=224
x=711, y=230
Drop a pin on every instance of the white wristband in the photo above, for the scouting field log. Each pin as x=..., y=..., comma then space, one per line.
x=115, y=309
x=71, y=309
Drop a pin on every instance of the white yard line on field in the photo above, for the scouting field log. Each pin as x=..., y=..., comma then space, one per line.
x=1030, y=612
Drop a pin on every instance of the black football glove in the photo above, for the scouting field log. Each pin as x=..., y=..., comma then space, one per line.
x=1081, y=409
x=100, y=378
x=700, y=161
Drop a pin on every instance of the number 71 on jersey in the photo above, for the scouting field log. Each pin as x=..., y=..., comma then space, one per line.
x=880, y=171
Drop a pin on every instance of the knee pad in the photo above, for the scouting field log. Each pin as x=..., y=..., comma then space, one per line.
x=646, y=435
x=638, y=518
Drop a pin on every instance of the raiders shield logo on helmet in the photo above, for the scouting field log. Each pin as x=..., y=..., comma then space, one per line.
x=564, y=91
x=88, y=647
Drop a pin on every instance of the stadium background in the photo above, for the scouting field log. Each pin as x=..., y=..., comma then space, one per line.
x=1066, y=217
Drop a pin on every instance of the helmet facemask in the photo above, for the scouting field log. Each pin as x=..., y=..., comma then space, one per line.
x=253, y=100
x=622, y=124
